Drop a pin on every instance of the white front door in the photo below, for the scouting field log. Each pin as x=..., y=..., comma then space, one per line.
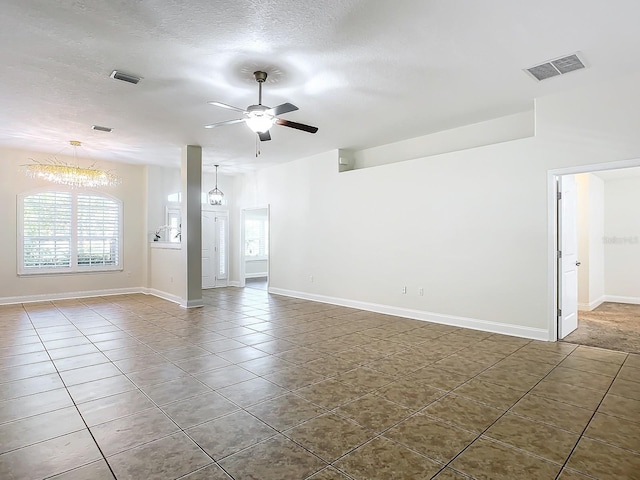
x=567, y=256
x=215, y=241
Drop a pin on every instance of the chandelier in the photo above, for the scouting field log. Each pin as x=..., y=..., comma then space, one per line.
x=215, y=195
x=60, y=172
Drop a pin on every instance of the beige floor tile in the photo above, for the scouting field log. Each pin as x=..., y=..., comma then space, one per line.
x=38, y=428
x=211, y=472
x=629, y=373
x=225, y=376
x=285, y=411
x=96, y=471
x=229, y=434
x=35, y=404
x=273, y=459
x=293, y=378
x=365, y=378
x=175, y=390
x=604, y=461
x=508, y=378
x=328, y=473
x=374, y=413
x=570, y=394
x=330, y=436
x=430, y=437
x=465, y=413
x=622, y=407
x=199, y=409
x=448, y=474
x=410, y=394
x=492, y=394
x=49, y=458
x=86, y=392
x=626, y=388
x=383, y=459
x=251, y=391
x=591, y=366
x=487, y=460
x=539, y=439
x=114, y=406
x=616, y=431
x=568, y=474
x=438, y=378
x=600, y=354
x=169, y=457
x=568, y=417
x=129, y=432
x=330, y=393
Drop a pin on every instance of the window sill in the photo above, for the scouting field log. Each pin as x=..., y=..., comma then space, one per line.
x=77, y=271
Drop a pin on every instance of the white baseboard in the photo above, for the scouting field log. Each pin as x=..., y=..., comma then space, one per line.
x=48, y=297
x=587, y=307
x=234, y=283
x=472, y=323
x=164, y=295
x=621, y=299
x=256, y=275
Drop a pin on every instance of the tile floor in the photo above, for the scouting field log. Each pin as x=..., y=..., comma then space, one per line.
x=257, y=386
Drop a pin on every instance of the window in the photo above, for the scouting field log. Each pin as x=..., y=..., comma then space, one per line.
x=64, y=231
x=256, y=237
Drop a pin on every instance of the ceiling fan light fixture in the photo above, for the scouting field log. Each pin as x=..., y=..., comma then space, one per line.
x=216, y=196
x=260, y=122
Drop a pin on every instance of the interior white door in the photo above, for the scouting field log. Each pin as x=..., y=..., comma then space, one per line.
x=567, y=256
x=215, y=256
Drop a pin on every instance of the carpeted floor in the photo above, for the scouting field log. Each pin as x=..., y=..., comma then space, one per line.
x=615, y=326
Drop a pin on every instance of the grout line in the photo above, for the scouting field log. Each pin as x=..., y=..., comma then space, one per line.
x=71, y=397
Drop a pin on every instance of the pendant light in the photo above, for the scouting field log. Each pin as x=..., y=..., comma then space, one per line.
x=215, y=195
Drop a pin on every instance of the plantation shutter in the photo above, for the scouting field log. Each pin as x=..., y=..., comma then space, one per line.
x=98, y=230
x=47, y=230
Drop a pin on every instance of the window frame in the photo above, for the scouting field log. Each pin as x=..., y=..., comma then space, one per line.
x=73, y=268
x=263, y=240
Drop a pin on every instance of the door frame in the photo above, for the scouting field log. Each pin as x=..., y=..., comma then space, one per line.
x=553, y=226
x=242, y=265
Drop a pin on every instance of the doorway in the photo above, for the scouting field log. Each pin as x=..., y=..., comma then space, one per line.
x=596, y=263
x=254, y=247
x=215, y=251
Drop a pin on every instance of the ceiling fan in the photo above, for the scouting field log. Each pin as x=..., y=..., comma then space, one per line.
x=259, y=118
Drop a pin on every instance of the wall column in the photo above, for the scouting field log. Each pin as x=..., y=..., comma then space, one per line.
x=191, y=186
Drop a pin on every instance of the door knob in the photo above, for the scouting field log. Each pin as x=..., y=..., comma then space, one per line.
x=578, y=264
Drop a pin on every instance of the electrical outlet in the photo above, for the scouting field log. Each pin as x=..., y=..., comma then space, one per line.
x=404, y=290
x=421, y=291
x=311, y=278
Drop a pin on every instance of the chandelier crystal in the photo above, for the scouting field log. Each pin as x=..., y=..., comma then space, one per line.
x=74, y=176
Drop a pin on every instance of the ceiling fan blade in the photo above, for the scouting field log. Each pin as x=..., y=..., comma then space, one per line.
x=226, y=122
x=229, y=107
x=264, y=136
x=296, y=125
x=284, y=108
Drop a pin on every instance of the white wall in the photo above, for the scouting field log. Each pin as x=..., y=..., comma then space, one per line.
x=470, y=227
x=590, y=245
x=131, y=192
x=163, y=264
x=622, y=239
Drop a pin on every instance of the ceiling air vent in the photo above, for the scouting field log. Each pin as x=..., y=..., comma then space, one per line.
x=125, y=77
x=560, y=66
x=101, y=128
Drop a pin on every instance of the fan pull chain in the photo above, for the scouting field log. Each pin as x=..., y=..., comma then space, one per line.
x=257, y=146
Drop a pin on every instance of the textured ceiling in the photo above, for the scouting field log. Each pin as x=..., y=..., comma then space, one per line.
x=366, y=72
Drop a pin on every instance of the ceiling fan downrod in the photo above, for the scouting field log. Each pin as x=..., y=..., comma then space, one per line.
x=260, y=78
